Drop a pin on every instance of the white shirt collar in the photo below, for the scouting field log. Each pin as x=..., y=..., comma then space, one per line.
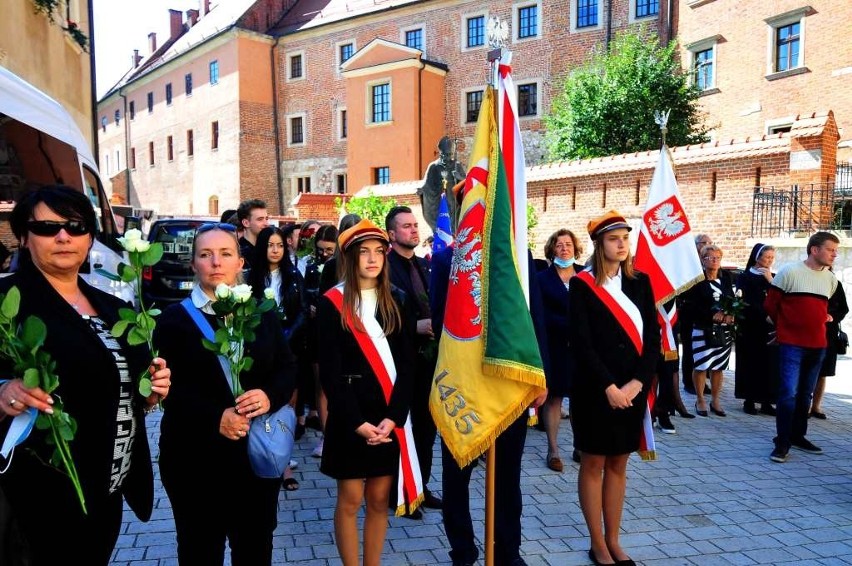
x=201, y=301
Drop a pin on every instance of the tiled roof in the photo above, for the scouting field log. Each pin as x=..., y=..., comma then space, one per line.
x=390, y=189
x=221, y=17
x=308, y=14
x=807, y=125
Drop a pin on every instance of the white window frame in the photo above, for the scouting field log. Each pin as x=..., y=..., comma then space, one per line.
x=368, y=114
x=573, y=18
x=516, y=21
x=772, y=126
x=337, y=173
x=799, y=16
x=632, y=17
x=294, y=182
x=337, y=47
x=695, y=48
x=289, y=124
x=339, y=124
x=290, y=55
x=421, y=27
x=463, y=104
x=463, y=34
x=538, y=94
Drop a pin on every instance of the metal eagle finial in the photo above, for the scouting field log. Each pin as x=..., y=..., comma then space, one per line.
x=662, y=118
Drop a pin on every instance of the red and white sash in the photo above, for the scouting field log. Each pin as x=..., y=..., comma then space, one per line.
x=630, y=319
x=376, y=350
x=622, y=308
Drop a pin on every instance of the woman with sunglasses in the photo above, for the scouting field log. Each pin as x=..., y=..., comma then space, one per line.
x=97, y=384
x=368, y=381
x=203, y=460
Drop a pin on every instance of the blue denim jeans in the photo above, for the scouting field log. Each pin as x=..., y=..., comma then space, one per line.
x=799, y=370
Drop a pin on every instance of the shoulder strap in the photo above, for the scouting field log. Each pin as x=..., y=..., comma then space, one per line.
x=207, y=332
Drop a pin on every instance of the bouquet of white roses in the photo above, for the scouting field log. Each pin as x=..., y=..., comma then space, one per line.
x=238, y=314
x=730, y=306
x=138, y=325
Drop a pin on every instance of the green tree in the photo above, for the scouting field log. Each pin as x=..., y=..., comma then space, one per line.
x=370, y=206
x=607, y=106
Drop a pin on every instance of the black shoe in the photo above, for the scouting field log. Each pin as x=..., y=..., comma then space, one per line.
x=779, y=455
x=576, y=456
x=664, y=423
x=767, y=409
x=718, y=412
x=313, y=422
x=806, y=445
x=816, y=415
x=431, y=501
x=749, y=408
x=595, y=560
x=416, y=515
x=625, y=562
x=684, y=414
x=700, y=413
x=300, y=431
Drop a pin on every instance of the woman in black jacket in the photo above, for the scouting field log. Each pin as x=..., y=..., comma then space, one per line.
x=203, y=460
x=97, y=384
x=614, y=327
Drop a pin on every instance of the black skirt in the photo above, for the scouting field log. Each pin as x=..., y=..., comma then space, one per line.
x=600, y=429
x=346, y=454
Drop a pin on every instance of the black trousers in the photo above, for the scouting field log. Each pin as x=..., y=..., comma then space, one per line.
x=422, y=425
x=686, y=361
x=215, y=500
x=508, y=504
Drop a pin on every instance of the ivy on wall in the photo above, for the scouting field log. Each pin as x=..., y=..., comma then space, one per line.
x=49, y=8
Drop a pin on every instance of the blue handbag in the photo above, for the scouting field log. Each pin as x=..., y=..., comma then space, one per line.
x=271, y=436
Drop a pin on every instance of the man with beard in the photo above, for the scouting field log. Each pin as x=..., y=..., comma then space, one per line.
x=411, y=274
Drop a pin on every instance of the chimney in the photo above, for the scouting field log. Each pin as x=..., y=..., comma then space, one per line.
x=191, y=18
x=175, y=24
x=136, y=58
x=205, y=7
x=152, y=41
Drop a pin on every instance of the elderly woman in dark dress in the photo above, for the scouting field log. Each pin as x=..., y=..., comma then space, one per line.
x=368, y=381
x=757, y=364
x=614, y=325
x=98, y=387
x=562, y=249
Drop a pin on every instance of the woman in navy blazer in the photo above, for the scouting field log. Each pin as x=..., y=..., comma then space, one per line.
x=562, y=250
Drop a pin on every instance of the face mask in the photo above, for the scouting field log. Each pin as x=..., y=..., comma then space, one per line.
x=563, y=263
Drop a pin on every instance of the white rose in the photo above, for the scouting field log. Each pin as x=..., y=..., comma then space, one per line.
x=133, y=234
x=739, y=293
x=242, y=293
x=319, y=267
x=268, y=293
x=716, y=296
x=222, y=291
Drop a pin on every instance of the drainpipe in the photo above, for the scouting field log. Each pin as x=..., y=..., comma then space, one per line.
x=93, y=84
x=127, y=178
x=278, y=177
x=608, y=23
x=420, y=118
x=670, y=26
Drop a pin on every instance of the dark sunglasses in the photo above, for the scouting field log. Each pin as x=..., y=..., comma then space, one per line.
x=52, y=228
x=216, y=226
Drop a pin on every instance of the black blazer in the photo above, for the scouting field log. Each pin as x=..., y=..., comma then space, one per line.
x=400, y=274
x=89, y=388
x=554, y=298
x=605, y=354
x=699, y=299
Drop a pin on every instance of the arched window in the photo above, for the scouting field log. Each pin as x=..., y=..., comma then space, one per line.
x=213, y=206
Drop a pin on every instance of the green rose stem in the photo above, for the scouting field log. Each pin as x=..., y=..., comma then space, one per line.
x=22, y=346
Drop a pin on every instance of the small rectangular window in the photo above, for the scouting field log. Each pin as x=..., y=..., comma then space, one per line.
x=346, y=51
x=787, y=47
x=187, y=83
x=297, y=130
x=132, y=110
x=170, y=148
x=103, y=123
x=214, y=132
x=527, y=22
x=150, y=102
x=117, y=117
x=587, y=13
x=473, y=100
x=296, y=67
x=645, y=8
x=190, y=143
x=704, y=69
x=414, y=38
x=382, y=175
x=133, y=158
x=344, y=126
x=341, y=184
x=168, y=94
x=381, y=103
x=303, y=184
x=106, y=163
x=476, y=31
x=214, y=72
x=528, y=99
x=151, y=154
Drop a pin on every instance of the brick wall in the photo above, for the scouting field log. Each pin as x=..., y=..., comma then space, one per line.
x=258, y=174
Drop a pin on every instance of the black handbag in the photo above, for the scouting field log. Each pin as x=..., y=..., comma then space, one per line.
x=715, y=336
x=842, y=343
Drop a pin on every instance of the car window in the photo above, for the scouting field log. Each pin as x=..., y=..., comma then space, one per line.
x=175, y=237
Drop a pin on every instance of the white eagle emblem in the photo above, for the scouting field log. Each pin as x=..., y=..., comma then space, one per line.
x=467, y=260
x=497, y=32
x=665, y=222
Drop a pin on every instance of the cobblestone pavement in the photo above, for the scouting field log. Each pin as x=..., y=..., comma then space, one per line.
x=713, y=497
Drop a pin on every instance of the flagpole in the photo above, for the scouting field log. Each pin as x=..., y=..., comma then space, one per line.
x=498, y=33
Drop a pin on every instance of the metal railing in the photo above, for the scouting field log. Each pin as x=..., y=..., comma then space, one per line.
x=795, y=210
